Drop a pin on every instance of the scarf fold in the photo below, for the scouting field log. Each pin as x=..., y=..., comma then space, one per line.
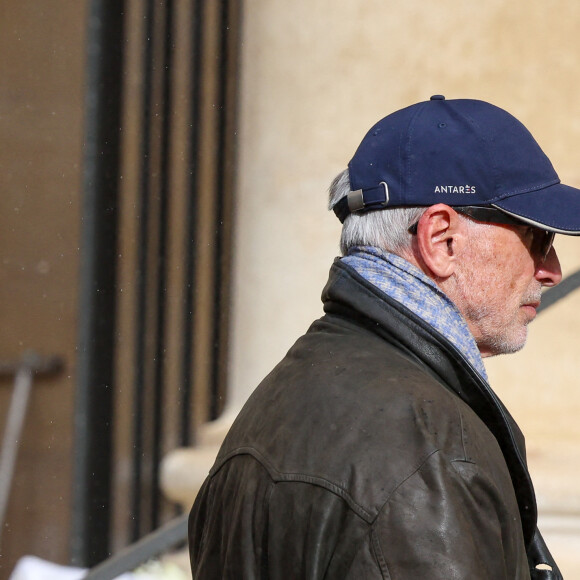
x=407, y=285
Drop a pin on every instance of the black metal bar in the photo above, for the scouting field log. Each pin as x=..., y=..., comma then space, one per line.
x=221, y=193
x=163, y=217
x=172, y=534
x=142, y=279
x=191, y=225
x=228, y=73
x=94, y=403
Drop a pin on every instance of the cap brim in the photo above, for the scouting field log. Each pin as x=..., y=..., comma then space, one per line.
x=555, y=208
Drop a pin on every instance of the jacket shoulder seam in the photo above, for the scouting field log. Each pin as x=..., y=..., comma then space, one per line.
x=284, y=477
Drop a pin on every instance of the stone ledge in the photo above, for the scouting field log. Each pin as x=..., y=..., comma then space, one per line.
x=184, y=470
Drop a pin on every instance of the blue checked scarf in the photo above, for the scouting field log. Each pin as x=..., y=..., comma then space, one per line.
x=408, y=285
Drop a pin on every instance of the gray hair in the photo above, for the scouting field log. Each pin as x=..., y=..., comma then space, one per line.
x=386, y=229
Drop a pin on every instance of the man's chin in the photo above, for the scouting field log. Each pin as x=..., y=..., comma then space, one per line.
x=504, y=345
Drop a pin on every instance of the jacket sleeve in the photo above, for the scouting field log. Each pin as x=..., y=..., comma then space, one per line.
x=448, y=521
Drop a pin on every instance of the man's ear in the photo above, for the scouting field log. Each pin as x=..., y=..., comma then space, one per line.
x=441, y=234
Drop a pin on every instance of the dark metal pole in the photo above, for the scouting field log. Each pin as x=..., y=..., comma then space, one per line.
x=141, y=299
x=164, y=227
x=191, y=239
x=94, y=402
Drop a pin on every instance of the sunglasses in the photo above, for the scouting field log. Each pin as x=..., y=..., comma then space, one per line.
x=543, y=239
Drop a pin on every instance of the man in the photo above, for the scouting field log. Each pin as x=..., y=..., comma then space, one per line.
x=376, y=448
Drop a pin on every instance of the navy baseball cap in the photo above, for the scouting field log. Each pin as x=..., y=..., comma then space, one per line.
x=459, y=152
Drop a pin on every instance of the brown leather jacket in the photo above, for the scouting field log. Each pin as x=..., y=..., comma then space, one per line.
x=373, y=450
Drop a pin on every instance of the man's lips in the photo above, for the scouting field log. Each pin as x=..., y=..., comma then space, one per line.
x=531, y=308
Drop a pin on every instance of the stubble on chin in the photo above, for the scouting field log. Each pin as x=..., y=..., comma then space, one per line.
x=495, y=329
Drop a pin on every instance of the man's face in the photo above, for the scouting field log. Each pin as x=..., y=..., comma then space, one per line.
x=499, y=285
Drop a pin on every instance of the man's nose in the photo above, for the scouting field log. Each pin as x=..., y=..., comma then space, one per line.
x=549, y=272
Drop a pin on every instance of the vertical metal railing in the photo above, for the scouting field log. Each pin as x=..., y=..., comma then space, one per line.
x=159, y=166
x=224, y=182
x=153, y=199
x=94, y=401
x=191, y=211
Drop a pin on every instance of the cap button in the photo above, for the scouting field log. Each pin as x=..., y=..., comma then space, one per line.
x=437, y=98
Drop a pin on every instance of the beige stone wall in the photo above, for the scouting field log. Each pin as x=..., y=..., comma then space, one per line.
x=316, y=75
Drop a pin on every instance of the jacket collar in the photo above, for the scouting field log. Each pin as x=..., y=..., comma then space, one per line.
x=349, y=294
